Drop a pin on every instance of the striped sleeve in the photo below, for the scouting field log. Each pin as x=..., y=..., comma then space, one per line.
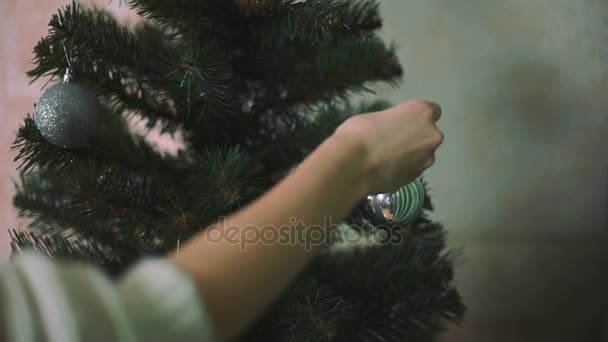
x=44, y=300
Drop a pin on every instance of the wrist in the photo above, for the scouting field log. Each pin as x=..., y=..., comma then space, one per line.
x=357, y=161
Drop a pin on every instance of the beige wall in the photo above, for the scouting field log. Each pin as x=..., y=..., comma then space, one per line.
x=521, y=178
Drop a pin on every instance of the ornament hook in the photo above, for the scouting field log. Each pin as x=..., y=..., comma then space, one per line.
x=68, y=71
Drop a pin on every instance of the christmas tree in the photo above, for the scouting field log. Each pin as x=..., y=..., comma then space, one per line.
x=251, y=87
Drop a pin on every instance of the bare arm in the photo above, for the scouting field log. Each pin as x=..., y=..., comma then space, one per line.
x=366, y=154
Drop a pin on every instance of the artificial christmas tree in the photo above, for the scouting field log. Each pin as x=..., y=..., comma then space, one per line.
x=252, y=87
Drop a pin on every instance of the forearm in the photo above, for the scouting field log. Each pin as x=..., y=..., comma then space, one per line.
x=238, y=284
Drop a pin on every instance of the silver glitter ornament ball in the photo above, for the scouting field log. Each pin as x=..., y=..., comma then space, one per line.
x=68, y=114
x=400, y=207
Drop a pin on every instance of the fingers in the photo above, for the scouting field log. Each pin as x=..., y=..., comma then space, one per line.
x=437, y=138
x=428, y=107
x=431, y=110
x=429, y=162
x=435, y=110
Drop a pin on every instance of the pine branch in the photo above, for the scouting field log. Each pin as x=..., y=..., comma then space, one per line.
x=38, y=200
x=83, y=250
x=404, y=323
x=397, y=284
x=335, y=73
x=145, y=71
x=228, y=176
x=205, y=18
x=291, y=79
x=116, y=206
x=321, y=122
x=115, y=67
x=74, y=26
x=112, y=143
x=107, y=200
x=316, y=24
x=200, y=79
x=287, y=139
x=60, y=207
x=314, y=312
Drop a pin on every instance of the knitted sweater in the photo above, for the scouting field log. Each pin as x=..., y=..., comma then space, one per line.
x=45, y=300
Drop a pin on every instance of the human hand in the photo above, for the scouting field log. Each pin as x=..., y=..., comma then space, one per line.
x=399, y=142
